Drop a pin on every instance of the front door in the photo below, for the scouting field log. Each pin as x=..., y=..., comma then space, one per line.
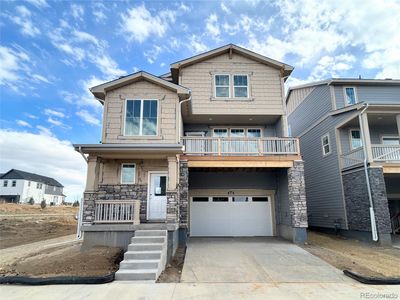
x=157, y=202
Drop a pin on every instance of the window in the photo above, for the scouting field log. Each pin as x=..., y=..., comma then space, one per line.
x=237, y=132
x=29, y=183
x=289, y=131
x=254, y=132
x=13, y=183
x=220, y=199
x=200, y=199
x=220, y=132
x=222, y=86
x=240, y=199
x=391, y=140
x=355, y=139
x=128, y=173
x=260, y=199
x=240, y=86
x=326, y=147
x=160, y=185
x=5, y=183
x=350, y=95
x=141, y=117
x=38, y=185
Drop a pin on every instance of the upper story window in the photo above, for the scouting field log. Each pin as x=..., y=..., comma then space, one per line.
x=220, y=132
x=222, y=86
x=326, y=145
x=240, y=86
x=355, y=139
x=390, y=140
x=237, y=132
x=128, y=173
x=13, y=183
x=5, y=183
x=141, y=117
x=39, y=185
x=254, y=132
x=29, y=183
x=350, y=96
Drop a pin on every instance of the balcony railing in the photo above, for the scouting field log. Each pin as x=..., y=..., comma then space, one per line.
x=380, y=153
x=117, y=211
x=230, y=146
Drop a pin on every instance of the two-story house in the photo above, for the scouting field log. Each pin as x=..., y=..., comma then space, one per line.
x=349, y=133
x=200, y=151
x=17, y=186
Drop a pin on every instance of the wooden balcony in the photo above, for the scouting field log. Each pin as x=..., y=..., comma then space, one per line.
x=380, y=153
x=117, y=211
x=236, y=146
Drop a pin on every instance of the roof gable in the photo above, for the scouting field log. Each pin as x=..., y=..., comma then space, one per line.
x=231, y=48
x=100, y=91
x=18, y=174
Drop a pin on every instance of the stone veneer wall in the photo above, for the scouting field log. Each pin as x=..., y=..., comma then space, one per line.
x=183, y=194
x=357, y=202
x=172, y=209
x=297, y=195
x=115, y=192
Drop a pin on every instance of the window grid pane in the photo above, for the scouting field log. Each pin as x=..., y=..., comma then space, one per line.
x=128, y=173
x=149, y=117
x=240, y=86
x=222, y=86
x=132, y=119
x=254, y=133
x=350, y=96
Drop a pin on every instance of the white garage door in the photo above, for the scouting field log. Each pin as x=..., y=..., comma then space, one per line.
x=230, y=216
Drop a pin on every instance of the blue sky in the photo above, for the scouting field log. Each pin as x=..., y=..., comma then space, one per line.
x=52, y=52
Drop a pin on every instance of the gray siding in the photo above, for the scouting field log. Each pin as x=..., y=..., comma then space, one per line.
x=53, y=190
x=370, y=94
x=314, y=106
x=322, y=173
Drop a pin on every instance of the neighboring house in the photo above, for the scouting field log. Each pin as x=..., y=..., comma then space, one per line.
x=341, y=122
x=200, y=151
x=19, y=187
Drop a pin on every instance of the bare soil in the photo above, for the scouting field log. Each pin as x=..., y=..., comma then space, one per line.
x=362, y=258
x=65, y=261
x=173, y=271
x=22, y=224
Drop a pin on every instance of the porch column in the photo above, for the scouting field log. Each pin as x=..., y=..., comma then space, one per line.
x=398, y=124
x=297, y=201
x=366, y=136
x=93, y=170
x=172, y=173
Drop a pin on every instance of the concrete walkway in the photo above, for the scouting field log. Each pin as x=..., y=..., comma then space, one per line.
x=126, y=290
x=245, y=260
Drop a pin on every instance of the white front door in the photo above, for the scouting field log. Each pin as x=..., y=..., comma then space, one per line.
x=157, y=202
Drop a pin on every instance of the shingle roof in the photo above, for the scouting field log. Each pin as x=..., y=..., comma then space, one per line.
x=18, y=174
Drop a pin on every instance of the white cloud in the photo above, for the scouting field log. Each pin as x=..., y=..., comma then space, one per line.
x=88, y=117
x=52, y=157
x=38, y=3
x=30, y=116
x=13, y=66
x=82, y=36
x=54, y=122
x=24, y=123
x=332, y=66
x=196, y=45
x=107, y=65
x=138, y=23
x=387, y=61
x=225, y=8
x=212, y=27
x=98, y=12
x=77, y=11
x=23, y=18
x=153, y=53
x=40, y=78
x=44, y=131
x=55, y=113
x=184, y=8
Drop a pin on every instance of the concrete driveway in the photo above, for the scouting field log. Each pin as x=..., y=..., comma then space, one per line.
x=266, y=260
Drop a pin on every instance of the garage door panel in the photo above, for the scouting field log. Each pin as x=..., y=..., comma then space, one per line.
x=231, y=219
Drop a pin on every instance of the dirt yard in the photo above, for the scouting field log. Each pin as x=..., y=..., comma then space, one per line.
x=173, y=271
x=21, y=224
x=359, y=257
x=66, y=260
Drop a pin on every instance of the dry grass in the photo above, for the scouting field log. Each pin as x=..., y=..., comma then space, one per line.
x=363, y=258
x=15, y=209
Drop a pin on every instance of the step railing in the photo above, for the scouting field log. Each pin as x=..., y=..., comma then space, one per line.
x=219, y=146
x=117, y=211
x=386, y=152
x=352, y=158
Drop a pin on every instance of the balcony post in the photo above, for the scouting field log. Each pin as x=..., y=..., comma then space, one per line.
x=93, y=170
x=366, y=136
x=136, y=212
x=219, y=146
x=398, y=123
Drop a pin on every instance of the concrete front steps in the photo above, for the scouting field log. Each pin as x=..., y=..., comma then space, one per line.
x=146, y=256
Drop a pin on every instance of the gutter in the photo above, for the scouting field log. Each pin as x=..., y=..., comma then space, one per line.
x=371, y=204
x=180, y=114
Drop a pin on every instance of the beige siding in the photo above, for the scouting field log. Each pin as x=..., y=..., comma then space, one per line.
x=111, y=170
x=265, y=86
x=115, y=107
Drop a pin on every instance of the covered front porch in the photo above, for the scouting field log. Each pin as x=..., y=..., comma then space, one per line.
x=375, y=135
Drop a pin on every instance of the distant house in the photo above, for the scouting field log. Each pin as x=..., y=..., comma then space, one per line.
x=19, y=187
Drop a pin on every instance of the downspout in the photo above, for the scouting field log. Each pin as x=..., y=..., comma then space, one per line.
x=180, y=114
x=371, y=204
